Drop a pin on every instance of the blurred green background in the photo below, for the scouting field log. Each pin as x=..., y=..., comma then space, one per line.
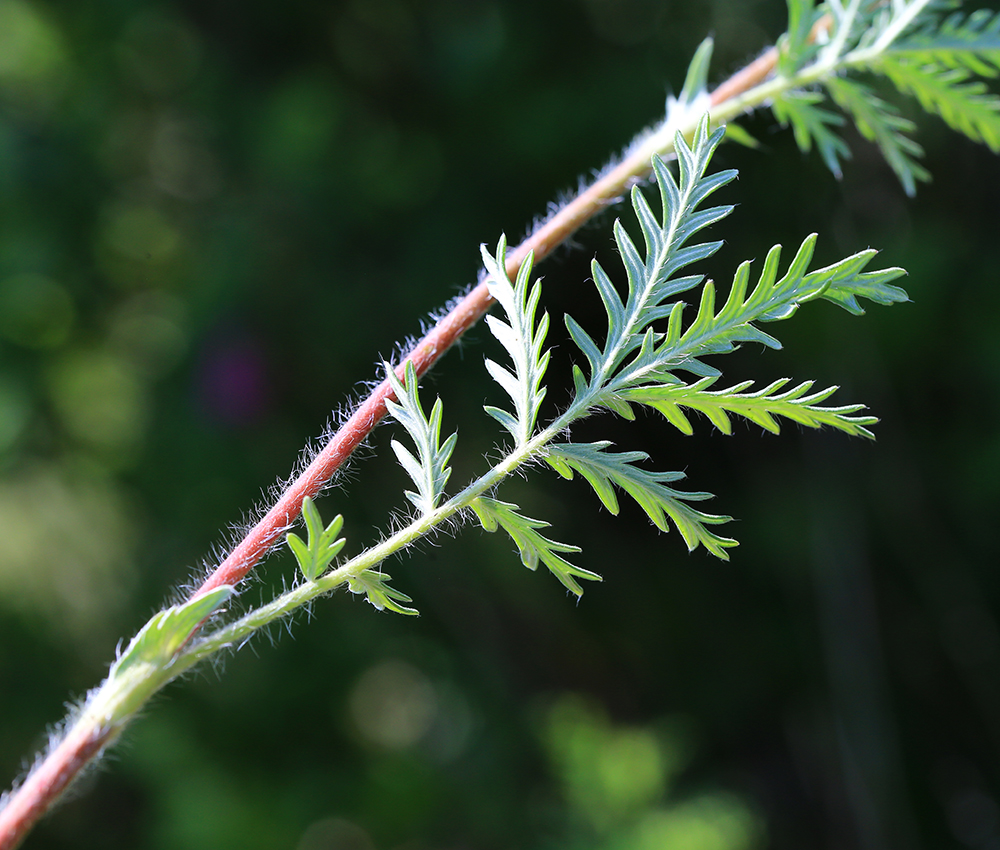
x=215, y=217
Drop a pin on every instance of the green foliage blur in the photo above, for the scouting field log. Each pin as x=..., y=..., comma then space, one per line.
x=215, y=218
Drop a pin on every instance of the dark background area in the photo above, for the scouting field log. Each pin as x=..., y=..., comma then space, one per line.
x=215, y=217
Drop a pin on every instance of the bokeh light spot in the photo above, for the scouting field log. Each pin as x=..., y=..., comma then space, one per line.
x=65, y=550
x=709, y=822
x=148, y=329
x=234, y=384
x=295, y=131
x=335, y=834
x=32, y=59
x=393, y=704
x=35, y=311
x=609, y=771
x=100, y=401
x=141, y=233
x=15, y=411
x=180, y=163
x=159, y=54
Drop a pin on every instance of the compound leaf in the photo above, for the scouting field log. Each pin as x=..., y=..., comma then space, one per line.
x=760, y=407
x=321, y=545
x=533, y=547
x=605, y=470
x=429, y=469
x=524, y=339
x=375, y=587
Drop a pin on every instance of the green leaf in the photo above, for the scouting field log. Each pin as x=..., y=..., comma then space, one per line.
x=741, y=136
x=794, y=47
x=812, y=124
x=971, y=41
x=323, y=545
x=606, y=470
x=148, y=661
x=938, y=61
x=696, y=80
x=167, y=631
x=844, y=282
x=524, y=339
x=964, y=103
x=880, y=122
x=374, y=586
x=653, y=274
x=429, y=470
x=760, y=407
x=772, y=299
x=533, y=547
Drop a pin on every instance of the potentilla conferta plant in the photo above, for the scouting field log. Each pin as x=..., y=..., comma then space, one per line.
x=666, y=327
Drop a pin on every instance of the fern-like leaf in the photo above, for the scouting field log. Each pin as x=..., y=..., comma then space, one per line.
x=937, y=61
x=879, y=122
x=374, y=586
x=772, y=299
x=533, y=547
x=964, y=103
x=812, y=124
x=429, y=470
x=524, y=339
x=694, y=93
x=760, y=407
x=652, y=278
x=606, y=470
x=321, y=545
x=961, y=40
x=796, y=48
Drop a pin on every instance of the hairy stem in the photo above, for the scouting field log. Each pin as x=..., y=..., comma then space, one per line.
x=608, y=189
x=46, y=783
x=90, y=734
x=236, y=632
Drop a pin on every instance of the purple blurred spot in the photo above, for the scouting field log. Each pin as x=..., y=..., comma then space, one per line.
x=233, y=382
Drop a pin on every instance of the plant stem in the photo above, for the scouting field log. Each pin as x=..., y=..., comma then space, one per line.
x=236, y=632
x=90, y=734
x=46, y=783
x=606, y=190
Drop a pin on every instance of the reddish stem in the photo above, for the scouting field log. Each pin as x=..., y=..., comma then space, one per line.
x=606, y=190
x=85, y=741
x=748, y=77
x=46, y=783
